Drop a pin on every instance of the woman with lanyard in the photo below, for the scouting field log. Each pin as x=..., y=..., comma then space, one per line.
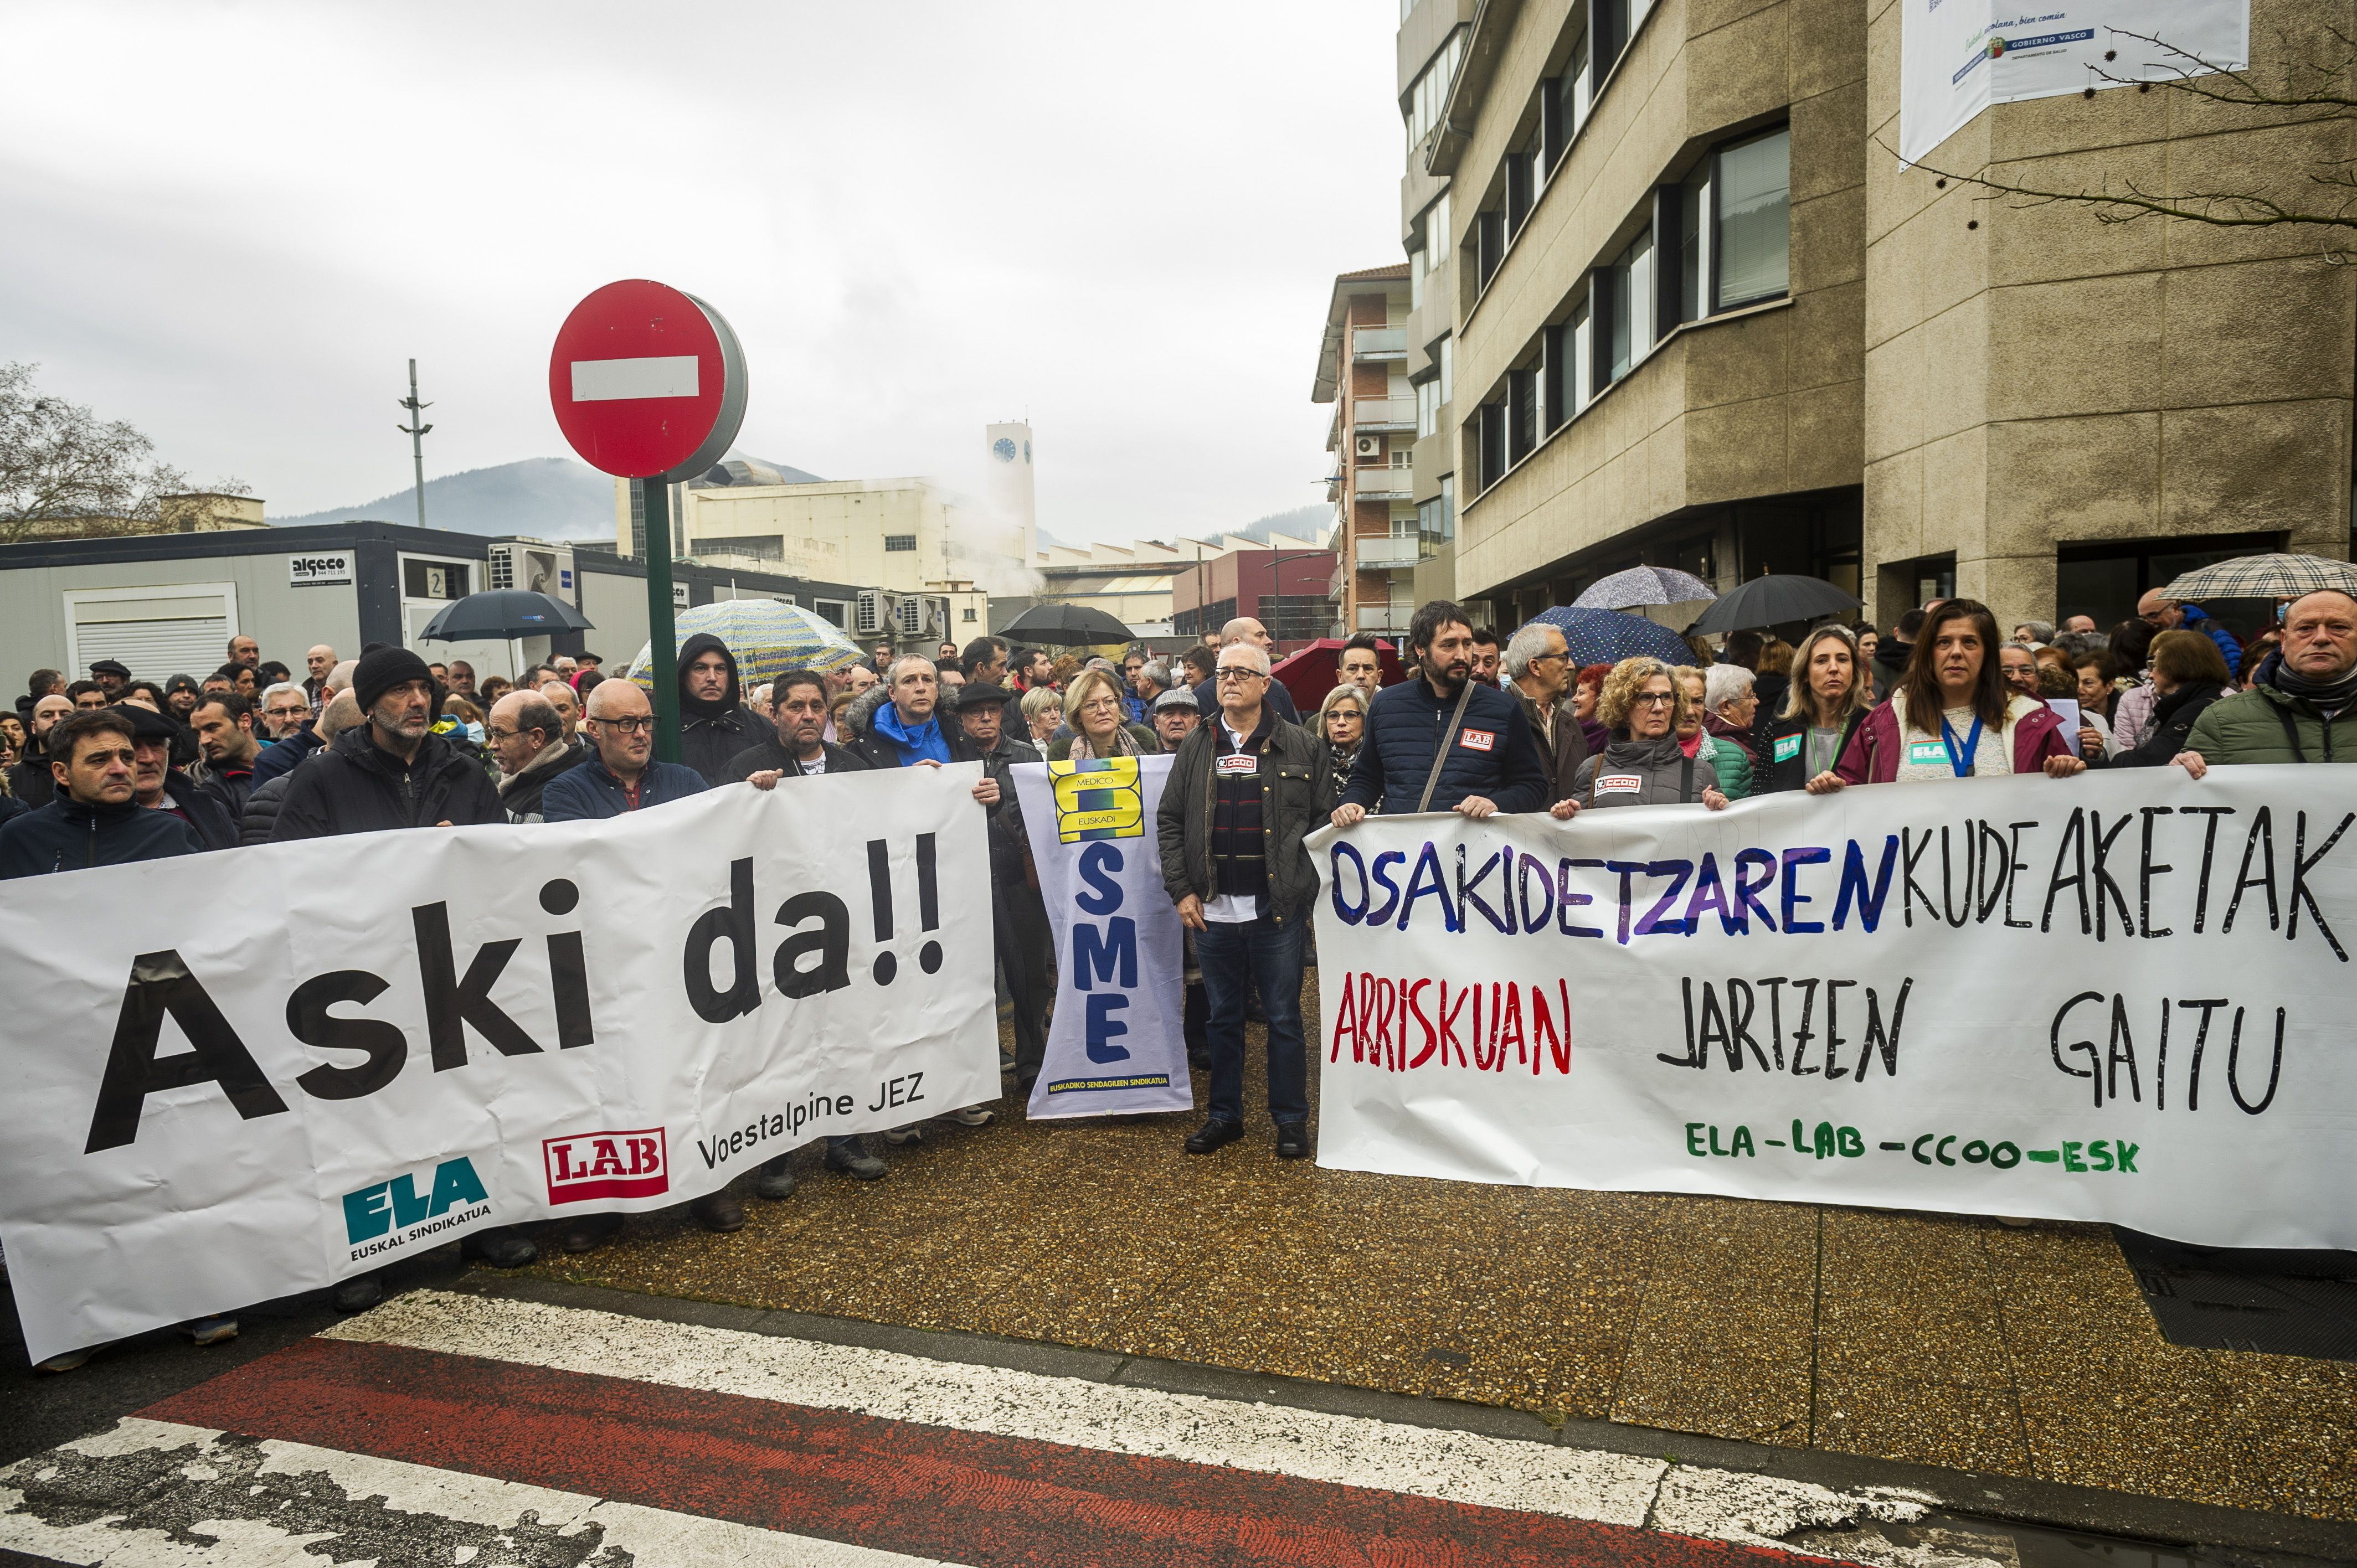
x=1953, y=716
x=1832, y=694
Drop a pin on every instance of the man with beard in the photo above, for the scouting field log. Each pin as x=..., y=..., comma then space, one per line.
x=224, y=727
x=1488, y=760
x=712, y=724
x=30, y=781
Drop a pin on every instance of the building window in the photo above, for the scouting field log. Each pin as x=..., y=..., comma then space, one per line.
x=1429, y=95
x=894, y=542
x=1435, y=520
x=1489, y=439
x=433, y=580
x=836, y=612
x=757, y=546
x=1520, y=192
x=1489, y=246
x=1552, y=403
x=1448, y=370
x=1754, y=231
x=1523, y=414
x=969, y=613
x=1427, y=407
x=1627, y=285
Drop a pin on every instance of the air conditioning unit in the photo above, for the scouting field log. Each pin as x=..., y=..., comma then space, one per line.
x=1370, y=446
x=536, y=567
x=877, y=613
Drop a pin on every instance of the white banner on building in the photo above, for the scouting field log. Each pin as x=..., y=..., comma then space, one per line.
x=236, y=1076
x=1958, y=57
x=2123, y=997
x=1117, y=1044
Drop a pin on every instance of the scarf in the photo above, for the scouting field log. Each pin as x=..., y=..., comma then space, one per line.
x=2327, y=695
x=1122, y=746
x=916, y=745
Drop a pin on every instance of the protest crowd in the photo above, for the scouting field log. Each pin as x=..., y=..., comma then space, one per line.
x=108, y=770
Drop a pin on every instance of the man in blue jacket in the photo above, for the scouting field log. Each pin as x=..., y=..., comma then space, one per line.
x=1489, y=761
x=622, y=774
x=2158, y=610
x=95, y=819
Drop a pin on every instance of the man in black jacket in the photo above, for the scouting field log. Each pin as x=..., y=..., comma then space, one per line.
x=1244, y=792
x=29, y=779
x=157, y=787
x=1019, y=925
x=529, y=740
x=224, y=726
x=388, y=771
x=95, y=818
x=714, y=725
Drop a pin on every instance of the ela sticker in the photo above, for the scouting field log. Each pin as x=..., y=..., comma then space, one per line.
x=1788, y=748
x=1928, y=753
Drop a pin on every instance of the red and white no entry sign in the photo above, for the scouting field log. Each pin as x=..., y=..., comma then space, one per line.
x=647, y=382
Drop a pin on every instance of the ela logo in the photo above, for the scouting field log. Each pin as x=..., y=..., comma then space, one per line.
x=374, y=1210
x=606, y=1164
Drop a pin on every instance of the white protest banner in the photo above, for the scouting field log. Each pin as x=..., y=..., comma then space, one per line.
x=1117, y=1044
x=2126, y=996
x=1958, y=57
x=235, y=1076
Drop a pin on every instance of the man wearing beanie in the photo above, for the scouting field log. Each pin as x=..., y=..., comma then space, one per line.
x=391, y=771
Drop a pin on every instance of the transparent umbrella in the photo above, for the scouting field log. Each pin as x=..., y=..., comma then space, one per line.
x=766, y=638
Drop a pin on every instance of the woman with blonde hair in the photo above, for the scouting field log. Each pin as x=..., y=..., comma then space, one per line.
x=1099, y=717
x=1830, y=697
x=1341, y=724
x=1043, y=713
x=1643, y=706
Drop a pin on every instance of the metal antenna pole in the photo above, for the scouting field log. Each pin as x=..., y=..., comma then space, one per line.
x=416, y=430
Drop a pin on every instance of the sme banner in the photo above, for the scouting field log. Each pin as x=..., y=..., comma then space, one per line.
x=2124, y=997
x=240, y=1075
x=1117, y=1043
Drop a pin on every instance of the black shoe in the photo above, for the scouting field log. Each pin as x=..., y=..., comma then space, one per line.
x=854, y=1159
x=589, y=1232
x=1199, y=1060
x=719, y=1214
x=1293, y=1141
x=777, y=1179
x=499, y=1249
x=358, y=1294
x=1213, y=1135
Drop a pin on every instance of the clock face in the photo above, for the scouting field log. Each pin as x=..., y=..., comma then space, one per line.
x=1005, y=447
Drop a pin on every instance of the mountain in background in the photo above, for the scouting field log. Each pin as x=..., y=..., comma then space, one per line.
x=1301, y=522
x=548, y=498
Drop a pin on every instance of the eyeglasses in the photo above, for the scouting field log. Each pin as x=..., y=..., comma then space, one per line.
x=1642, y=698
x=627, y=726
x=1236, y=672
x=1543, y=658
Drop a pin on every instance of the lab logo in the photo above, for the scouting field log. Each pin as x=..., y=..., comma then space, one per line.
x=451, y=1195
x=1473, y=739
x=589, y=1166
x=1097, y=798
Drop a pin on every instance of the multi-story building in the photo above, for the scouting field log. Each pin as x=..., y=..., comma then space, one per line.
x=1283, y=585
x=1362, y=372
x=1689, y=310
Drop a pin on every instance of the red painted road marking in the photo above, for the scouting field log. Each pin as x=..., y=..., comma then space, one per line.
x=897, y=1486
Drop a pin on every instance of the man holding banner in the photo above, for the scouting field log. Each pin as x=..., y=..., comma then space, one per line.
x=1244, y=791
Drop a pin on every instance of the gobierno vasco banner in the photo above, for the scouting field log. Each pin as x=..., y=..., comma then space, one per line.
x=2124, y=997
x=237, y=1075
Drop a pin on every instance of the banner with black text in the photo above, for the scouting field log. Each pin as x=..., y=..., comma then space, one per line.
x=2124, y=997
x=239, y=1075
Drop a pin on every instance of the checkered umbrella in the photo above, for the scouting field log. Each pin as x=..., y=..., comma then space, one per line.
x=1607, y=636
x=1644, y=586
x=2264, y=578
x=767, y=637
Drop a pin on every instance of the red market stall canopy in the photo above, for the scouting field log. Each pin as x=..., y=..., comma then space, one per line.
x=1310, y=672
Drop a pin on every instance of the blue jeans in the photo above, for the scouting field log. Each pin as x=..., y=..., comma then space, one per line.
x=1236, y=958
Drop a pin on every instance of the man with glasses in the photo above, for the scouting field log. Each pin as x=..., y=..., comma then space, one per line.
x=1489, y=762
x=283, y=708
x=1244, y=792
x=1539, y=673
x=1246, y=629
x=2158, y=610
x=528, y=738
x=622, y=774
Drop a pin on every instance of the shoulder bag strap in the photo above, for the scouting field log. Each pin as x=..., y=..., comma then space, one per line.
x=1448, y=739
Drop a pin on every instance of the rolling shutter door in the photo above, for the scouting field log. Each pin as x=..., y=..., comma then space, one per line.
x=156, y=637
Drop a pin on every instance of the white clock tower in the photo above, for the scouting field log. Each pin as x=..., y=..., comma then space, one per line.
x=1008, y=461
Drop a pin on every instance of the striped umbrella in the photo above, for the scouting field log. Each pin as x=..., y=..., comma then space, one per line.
x=767, y=638
x=1607, y=636
x=1644, y=586
x=2264, y=578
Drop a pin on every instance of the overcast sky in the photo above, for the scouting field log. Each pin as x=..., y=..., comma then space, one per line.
x=233, y=224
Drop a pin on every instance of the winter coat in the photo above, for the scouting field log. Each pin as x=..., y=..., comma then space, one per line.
x=1877, y=749
x=66, y=836
x=10, y=807
x=1560, y=763
x=1148, y=743
x=31, y=781
x=216, y=824
x=2197, y=619
x=879, y=751
x=2261, y=723
x=352, y=786
x=260, y=813
x=591, y=793
x=231, y=788
x=770, y=755
x=519, y=794
x=1788, y=753
x=282, y=756
x=1730, y=762
x=1404, y=726
x=2172, y=721
x=1654, y=772
x=1296, y=796
x=707, y=740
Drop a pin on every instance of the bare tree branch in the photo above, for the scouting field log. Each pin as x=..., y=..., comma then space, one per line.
x=60, y=462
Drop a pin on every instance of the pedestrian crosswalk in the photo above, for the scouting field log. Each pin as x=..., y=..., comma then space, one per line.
x=454, y=1429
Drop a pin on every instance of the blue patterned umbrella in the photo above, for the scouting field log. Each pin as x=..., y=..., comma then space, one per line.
x=1607, y=636
x=767, y=637
x=1644, y=586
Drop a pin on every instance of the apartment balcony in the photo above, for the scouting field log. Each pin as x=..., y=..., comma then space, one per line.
x=1392, y=618
x=1375, y=554
x=1379, y=345
x=1383, y=415
x=1372, y=484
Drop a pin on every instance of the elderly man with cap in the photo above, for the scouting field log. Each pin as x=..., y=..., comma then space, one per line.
x=156, y=787
x=389, y=772
x=1174, y=717
x=112, y=676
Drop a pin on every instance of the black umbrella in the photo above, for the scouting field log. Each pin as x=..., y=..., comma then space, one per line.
x=1064, y=625
x=1772, y=601
x=502, y=615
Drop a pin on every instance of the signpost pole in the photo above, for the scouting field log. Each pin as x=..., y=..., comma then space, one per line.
x=663, y=652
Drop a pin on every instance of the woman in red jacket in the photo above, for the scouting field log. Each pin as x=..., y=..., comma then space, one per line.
x=1953, y=716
